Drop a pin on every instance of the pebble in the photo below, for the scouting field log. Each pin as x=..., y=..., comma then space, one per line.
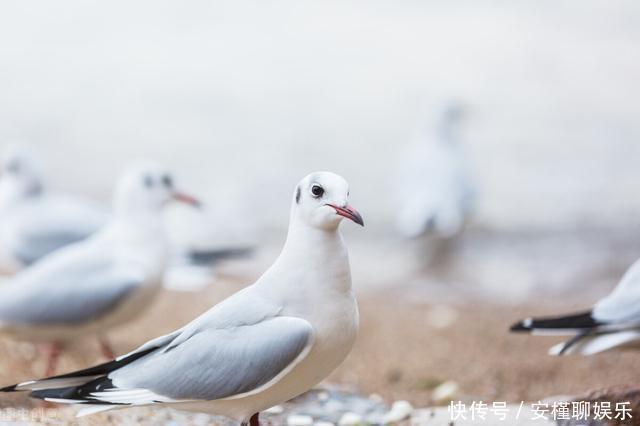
x=323, y=424
x=276, y=409
x=441, y=316
x=400, y=410
x=299, y=420
x=350, y=419
x=445, y=392
x=376, y=398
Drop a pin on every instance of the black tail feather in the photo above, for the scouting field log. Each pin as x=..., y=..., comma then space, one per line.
x=77, y=393
x=206, y=257
x=98, y=370
x=581, y=321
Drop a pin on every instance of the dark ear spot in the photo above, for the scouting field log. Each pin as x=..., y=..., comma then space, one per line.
x=298, y=195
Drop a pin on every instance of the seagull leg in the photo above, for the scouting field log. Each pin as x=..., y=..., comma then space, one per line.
x=52, y=358
x=105, y=348
x=254, y=421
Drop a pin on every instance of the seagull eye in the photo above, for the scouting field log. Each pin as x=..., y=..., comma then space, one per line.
x=148, y=181
x=167, y=181
x=317, y=191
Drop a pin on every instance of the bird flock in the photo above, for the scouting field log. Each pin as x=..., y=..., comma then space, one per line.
x=78, y=270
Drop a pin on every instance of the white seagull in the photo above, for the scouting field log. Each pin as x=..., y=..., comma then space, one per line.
x=434, y=188
x=613, y=322
x=34, y=221
x=104, y=281
x=260, y=347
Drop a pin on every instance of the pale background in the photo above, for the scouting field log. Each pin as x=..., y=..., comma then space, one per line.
x=242, y=98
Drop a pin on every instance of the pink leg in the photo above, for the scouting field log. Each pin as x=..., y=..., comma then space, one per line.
x=52, y=358
x=106, y=349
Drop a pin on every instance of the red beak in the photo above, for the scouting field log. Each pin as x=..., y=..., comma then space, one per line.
x=348, y=212
x=187, y=199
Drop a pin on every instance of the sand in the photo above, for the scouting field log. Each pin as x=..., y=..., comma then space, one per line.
x=403, y=352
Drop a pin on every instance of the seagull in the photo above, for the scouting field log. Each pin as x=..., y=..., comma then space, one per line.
x=264, y=345
x=613, y=322
x=34, y=221
x=89, y=287
x=434, y=190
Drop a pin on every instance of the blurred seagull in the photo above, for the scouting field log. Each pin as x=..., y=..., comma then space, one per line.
x=434, y=189
x=33, y=221
x=89, y=287
x=260, y=347
x=613, y=322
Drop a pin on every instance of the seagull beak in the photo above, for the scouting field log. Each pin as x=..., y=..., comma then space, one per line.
x=348, y=212
x=187, y=199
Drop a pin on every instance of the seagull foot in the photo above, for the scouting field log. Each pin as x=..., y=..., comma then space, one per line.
x=52, y=358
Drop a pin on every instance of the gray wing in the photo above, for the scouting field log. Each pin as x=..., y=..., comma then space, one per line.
x=63, y=291
x=50, y=223
x=214, y=363
x=34, y=246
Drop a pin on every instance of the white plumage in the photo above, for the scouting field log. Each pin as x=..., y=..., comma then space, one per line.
x=103, y=281
x=434, y=188
x=260, y=347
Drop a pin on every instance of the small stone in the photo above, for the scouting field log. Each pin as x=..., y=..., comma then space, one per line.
x=350, y=419
x=375, y=418
x=400, y=410
x=333, y=406
x=422, y=415
x=322, y=423
x=276, y=409
x=299, y=420
x=323, y=396
x=441, y=316
x=445, y=392
x=376, y=398
x=200, y=419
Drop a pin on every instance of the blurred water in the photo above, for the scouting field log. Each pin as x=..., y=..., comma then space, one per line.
x=243, y=98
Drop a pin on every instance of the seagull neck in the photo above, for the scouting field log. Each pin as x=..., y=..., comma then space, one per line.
x=139, y=225
x=319, y=252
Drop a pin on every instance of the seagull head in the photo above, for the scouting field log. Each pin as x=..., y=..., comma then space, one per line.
x=19, y=173
x=321, y=200
x=148, y=187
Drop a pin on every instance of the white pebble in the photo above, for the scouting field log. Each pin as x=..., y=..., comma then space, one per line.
x=321, y=423
x=276, y=409
x=350, y=419
x=445, y=391
x=323, y=396
x=400, y=410
x=376, y=398
x=441, y=316
x=299, y=420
